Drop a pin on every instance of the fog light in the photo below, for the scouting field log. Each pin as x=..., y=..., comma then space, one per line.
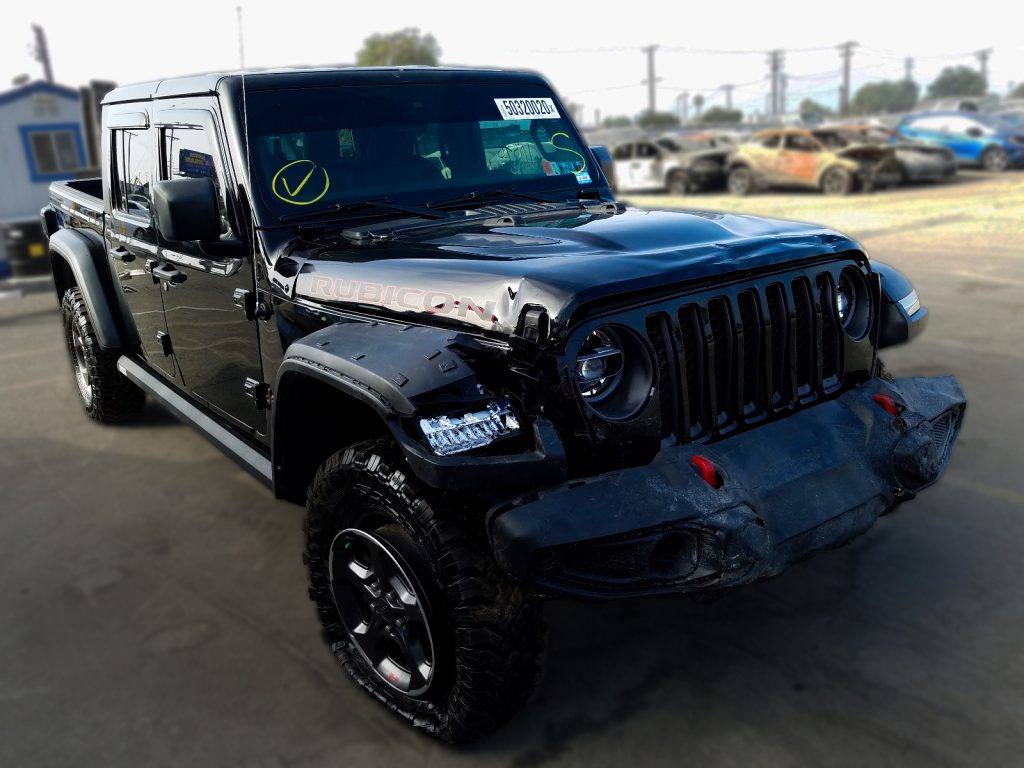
x=448, y=435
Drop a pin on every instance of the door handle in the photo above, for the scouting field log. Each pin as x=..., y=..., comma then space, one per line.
x=122, y=253
x=168, y=274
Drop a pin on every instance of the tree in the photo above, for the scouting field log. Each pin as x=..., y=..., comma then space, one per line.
x=958, y=81
x=400, y=48
x=1018, y=92
x=616, y=121
x=721, y=116
x=650, y=119
x=885, y=96
x=815, y=108
x=698, y=104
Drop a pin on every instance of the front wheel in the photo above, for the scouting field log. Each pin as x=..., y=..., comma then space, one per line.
x=106, y=395
x=837, y=181
x=415, y=609
x=995, y=160
x=741, y=180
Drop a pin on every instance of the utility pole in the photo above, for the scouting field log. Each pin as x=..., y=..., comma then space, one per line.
x=783, y=82
x=683, y=106
x=908, y=67
x=983, y=60
x=846, y=51
x=652, y=97
x=775, y=68
x=42, y=52
x=728, y=95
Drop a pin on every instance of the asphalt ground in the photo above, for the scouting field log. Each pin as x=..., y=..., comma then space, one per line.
x=153, y=607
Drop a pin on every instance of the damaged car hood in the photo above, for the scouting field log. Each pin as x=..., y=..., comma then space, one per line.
x=483, y=273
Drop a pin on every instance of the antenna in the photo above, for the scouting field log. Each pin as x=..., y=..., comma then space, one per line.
x=245, y=124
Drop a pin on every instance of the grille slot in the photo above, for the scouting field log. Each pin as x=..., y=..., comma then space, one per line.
x=749, y=359
x=777, y=333
x=802, y=332
x=691, y=362
x=719, y=333
x=658, y=332
x=735, y=358
x=830, y=341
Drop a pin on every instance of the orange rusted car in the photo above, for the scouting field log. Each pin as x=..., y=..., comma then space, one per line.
x=794, y=157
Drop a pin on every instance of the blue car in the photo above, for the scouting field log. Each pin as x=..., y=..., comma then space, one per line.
x=974, y=138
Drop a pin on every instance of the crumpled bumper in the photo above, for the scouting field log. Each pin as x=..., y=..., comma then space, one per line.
x=808, y=482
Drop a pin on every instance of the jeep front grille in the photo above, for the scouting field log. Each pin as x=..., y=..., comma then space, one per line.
x=735, y=357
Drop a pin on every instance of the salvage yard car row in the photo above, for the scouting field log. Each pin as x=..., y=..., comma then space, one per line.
x=833, y=159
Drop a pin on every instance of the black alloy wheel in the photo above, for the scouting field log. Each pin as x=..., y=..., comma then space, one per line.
x=383, y=605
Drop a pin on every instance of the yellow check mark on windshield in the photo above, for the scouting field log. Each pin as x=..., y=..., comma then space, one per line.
x=302, y=183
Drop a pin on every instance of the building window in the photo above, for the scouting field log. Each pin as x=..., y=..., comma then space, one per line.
x=53, y=151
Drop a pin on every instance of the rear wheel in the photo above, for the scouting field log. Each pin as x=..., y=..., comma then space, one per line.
x=741, y=180
x=995, y=160
x=106, y=395
x=412, y=605
x=678, y=183
x=837, y=181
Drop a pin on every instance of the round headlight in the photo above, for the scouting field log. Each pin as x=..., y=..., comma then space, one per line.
x=853, y=304
x=613, y=372
x=599, y=365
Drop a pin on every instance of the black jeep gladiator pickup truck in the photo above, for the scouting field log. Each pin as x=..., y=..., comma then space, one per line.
x=407, y=299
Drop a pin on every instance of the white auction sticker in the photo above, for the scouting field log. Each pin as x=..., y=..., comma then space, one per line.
x=527, y=109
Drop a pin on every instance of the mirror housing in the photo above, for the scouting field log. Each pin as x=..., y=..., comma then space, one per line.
x=604, y=159
x=975, y=133
x=187, y=209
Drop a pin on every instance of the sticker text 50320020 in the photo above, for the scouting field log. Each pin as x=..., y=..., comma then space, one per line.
x=527, y=109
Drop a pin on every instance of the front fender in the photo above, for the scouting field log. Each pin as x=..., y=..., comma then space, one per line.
x=83, y=254
x=404, y=372
x=902, y=316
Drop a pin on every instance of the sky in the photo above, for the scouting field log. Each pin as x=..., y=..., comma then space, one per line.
x=590, y=51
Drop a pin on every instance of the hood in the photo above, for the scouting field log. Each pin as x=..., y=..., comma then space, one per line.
x=867, y=152
x=483, y=273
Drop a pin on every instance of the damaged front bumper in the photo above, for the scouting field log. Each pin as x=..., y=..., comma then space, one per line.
x=808, y=482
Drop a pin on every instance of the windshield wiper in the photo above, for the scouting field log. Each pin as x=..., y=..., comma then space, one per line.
x=483, y=194
x=385, y=203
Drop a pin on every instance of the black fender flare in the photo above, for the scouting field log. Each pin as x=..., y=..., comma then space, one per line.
x=83, y=253
x=400, y=372
x=899, y=320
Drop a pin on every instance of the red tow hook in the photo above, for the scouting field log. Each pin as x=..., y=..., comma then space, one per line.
x=707, y=471
x=888, y=403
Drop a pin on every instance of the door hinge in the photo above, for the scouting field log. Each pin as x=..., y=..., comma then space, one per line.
x=259, y=392
x=163, y=338
x=246, y=301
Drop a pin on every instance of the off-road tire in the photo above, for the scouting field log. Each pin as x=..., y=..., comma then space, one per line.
x=995, y=160
x=678, y=183
x=486, y=630
x=837, y=181
x=741, y=181
x=107, y=396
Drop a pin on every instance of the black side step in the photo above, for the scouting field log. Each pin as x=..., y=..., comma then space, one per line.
x=244, y=454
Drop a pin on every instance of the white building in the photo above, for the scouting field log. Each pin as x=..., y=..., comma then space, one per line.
x=41, y=140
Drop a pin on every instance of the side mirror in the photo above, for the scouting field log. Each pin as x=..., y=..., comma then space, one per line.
x=975, y=133
x=604, y=158
x=187, y=209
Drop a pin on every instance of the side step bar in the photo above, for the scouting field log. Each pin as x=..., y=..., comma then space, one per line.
x=244, y=454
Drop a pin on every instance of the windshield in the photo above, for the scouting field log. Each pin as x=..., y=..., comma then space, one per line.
x=323, y=147
x=1013, y=119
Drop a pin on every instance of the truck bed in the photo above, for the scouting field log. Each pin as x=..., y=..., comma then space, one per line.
x=81, y=199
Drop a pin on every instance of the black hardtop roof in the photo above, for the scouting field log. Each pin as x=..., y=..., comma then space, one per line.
x=208, y=83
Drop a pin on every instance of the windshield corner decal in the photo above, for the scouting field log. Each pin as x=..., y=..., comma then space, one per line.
x=298, y=183
x=527, y=109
